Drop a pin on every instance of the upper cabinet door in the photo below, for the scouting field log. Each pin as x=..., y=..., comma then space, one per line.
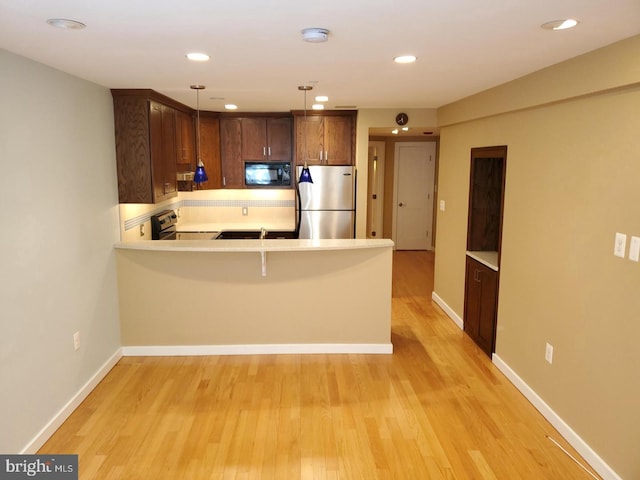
x=210, y=151
x=279, y=142
x=338, y=140
x=185, y=142
x=266, y=139
x=486, y=198
x=162, y=137
x=254, y=138
x=309, y=143
x=327, y=139
x=231, y=152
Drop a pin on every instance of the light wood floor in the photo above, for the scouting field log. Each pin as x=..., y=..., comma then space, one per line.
x=435, y=409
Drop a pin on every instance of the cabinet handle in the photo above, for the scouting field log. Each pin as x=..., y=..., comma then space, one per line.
x=476, y=275
x=269, y=150
x=321, y=156
x=326, y=156
x=264, y=151
x=224, y=181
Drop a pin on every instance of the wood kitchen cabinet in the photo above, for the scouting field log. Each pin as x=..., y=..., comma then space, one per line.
x=486, y=198
x=266, y=139
x=480, y=306
x=146, y=148
x=484, y=238
x=185, y=142
x=231, y=152
x=325, y=139
x=163, y=151
x=210, y=150
x=252, y=138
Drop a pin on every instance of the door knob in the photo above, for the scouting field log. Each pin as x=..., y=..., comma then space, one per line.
x=401, y=204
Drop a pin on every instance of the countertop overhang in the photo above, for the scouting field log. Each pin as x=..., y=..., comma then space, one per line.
x=274, y=245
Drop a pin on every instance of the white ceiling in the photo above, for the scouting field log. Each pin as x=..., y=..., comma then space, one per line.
x=258, y=57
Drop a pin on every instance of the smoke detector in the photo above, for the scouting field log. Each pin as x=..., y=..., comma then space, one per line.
x=315, y=35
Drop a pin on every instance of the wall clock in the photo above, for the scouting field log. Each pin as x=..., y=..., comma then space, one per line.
x=402, y=119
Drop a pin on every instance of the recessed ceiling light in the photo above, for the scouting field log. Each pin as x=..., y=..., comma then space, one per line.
x=322, y=98
x=560, y=24
x=405, y=129
x=394, y=131
x=317, y=106
x=231, y=106
x=66, y=23
x=198, y=57
x=405, y=59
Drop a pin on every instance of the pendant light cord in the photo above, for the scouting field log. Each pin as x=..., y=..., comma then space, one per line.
x=306, y=152
x=199, y=160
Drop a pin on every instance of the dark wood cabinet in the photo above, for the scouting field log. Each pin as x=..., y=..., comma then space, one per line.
x=254, y=138
x=210, y=150
x=486, y=189
x=484, y=238
x=231, y=152
x=163, y=151
x=266, y=139
x=325, y=139
x=185, y=142
x=146, y=152
x=481, y=302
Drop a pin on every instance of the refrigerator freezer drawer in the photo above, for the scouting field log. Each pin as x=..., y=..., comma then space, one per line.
x=318, y=224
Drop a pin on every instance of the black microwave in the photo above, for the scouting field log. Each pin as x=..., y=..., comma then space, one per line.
x=267, y=174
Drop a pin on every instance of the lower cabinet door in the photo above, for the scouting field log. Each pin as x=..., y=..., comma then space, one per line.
x=480, y=307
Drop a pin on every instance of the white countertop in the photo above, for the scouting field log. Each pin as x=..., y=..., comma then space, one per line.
x=490, y=259
x=272, y=245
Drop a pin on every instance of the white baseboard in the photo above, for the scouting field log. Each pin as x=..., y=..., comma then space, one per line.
x=448, y=310
x=187, y=350
x=59, y=418
x=597, y=463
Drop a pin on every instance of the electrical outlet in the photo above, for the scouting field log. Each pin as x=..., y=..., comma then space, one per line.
x=620, y=245
x=548, y=353
x=76, y=340
x=442, y=205
x=245, y=211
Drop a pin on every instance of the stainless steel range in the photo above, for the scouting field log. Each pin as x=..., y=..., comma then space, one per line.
x=163, y=225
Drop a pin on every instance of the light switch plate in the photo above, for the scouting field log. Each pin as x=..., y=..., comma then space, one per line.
x=620, y=245
x=442, y=205
x=634, y=249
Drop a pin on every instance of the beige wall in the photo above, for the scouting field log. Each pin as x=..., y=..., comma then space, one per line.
x=59, y=197
x=572, y=182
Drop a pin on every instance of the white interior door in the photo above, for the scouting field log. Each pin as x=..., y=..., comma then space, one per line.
x=413, y=195
x=375, y=197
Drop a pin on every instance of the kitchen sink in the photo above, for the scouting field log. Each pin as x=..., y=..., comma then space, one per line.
x=255, y=234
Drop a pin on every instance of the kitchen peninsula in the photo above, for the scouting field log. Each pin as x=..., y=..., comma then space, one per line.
x=203, y=297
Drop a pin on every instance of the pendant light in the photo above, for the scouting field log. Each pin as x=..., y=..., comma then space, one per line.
x=200, y=175
x=305, y=175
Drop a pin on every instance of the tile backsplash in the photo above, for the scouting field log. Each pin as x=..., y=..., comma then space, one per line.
x=262, y=207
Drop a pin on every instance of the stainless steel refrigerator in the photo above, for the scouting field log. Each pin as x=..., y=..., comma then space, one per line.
x=327, y=206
